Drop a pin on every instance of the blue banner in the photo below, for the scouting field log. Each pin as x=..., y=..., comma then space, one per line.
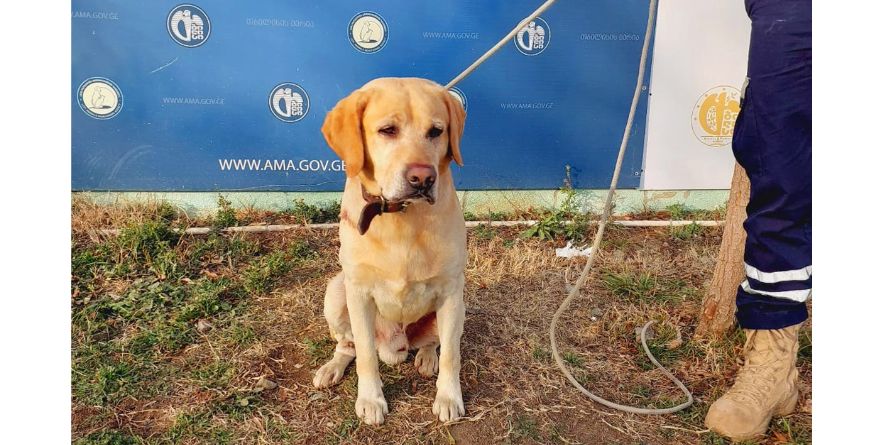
x=225, y=95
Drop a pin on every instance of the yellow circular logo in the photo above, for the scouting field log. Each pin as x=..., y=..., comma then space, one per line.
x=100, y=98
x=714, y=115
x=368, y=32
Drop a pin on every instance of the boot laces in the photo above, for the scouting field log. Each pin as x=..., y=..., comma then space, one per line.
x=758, y=377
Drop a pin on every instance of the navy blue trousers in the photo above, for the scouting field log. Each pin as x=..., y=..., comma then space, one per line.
x=773, y=142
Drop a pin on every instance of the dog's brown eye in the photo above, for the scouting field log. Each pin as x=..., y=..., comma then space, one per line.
x=434, y=132
x=390, y=130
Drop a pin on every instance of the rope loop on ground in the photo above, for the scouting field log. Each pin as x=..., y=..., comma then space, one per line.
x=604, y=220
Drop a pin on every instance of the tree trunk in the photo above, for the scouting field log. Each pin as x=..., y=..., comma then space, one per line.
x=718, y=306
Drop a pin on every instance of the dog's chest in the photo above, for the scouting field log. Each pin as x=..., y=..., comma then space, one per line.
x=405, y=302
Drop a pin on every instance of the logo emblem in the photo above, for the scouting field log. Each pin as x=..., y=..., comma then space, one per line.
x=368, y=32
x=714, y=115
x=100, y=98
x=188, y=25
x=460, y=95
x=289, y=102
x=533, y=38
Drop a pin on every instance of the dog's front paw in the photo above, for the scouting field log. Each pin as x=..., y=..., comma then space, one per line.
x=448, y=405
x=371, y=409
x=426, y=361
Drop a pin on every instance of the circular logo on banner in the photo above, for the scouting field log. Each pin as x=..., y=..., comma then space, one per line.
x=100, y=98
x=714, y=115
x=368, y=32
x=533, y=38
x=460, y=95
x=289, y=102
x=188, y=25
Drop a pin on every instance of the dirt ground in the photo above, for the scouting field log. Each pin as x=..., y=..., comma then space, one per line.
x=212, y=339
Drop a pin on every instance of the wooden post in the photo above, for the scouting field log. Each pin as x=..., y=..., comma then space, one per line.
x=718, y=306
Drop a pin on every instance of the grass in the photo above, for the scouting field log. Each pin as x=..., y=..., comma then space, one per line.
x=319, y=350
x=214, y=375
x=644, y=286
x=109, y=437
x=490, y=216
x=804, y=354
x=313, y=214
x=686, y=232
x=525, y=427
x=682, y=212
x=137, y=299
x=573, y=359
x=484, y=232
x=788, y=432
x=171, y=332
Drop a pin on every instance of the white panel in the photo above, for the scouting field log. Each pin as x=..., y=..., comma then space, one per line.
x=701, y=47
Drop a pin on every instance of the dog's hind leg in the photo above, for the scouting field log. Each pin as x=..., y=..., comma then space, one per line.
x=335, y=309
x=424, y=337
x=390, y=341
x=426, y=361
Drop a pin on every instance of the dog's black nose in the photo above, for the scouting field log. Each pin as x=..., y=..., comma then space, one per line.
x=421, y=176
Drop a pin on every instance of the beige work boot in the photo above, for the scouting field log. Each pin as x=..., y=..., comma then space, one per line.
x=766, y=385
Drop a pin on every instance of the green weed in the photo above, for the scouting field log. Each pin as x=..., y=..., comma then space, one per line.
x=483, y=231
x=525, y=427
x=566, y=221
x=573, y=359
x=215, y=375
x=686, y=232
x=146, y=246
x=225, y=216
x=241, y=335
x=796, y=434
x=643, y=286
x=679, y=211
x=261, y=274
x=106, y=383
x=318, y=350
x=632, y=285
x=804, y=354
x=190, y=424
x=314, y=214
x=108, y=437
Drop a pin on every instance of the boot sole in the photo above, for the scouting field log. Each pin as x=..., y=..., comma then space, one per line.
x=784, y=408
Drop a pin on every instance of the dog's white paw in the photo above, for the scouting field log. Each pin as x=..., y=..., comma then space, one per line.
x=426, y=361
x=448, y=405
x=371, y=409
x=331, y=373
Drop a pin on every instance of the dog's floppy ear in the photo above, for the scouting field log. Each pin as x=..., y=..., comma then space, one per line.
x=456, y=126
x=343, y=130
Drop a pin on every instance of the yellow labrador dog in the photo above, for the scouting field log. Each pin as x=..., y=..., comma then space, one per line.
x=403, y=246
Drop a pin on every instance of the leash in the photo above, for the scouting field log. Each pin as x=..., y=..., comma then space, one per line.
x=604, y=220
x=544, y=7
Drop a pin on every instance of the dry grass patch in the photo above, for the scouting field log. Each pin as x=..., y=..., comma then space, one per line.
x=176, y=338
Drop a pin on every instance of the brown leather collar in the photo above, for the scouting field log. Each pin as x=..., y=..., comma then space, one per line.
x=376, y=205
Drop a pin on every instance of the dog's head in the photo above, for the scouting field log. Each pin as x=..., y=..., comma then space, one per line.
x=399, y=134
